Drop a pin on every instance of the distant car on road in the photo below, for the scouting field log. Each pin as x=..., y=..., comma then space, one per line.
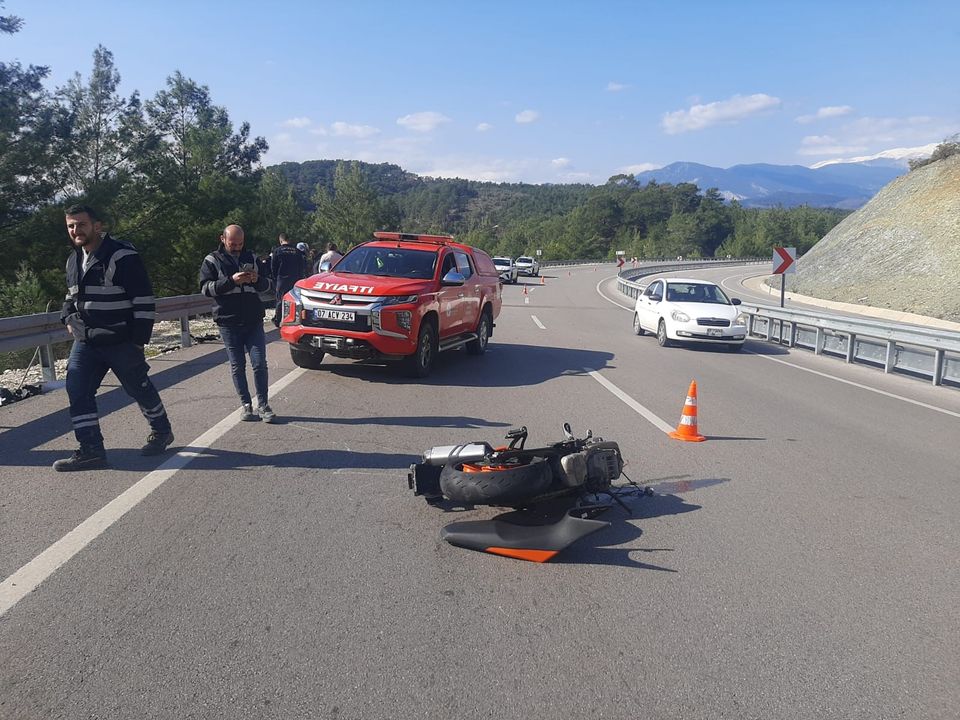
x=682, y=310
x=506, y=268
x=527, y=266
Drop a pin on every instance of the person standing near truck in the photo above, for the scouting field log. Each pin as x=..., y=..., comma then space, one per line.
x=229, y=275
x=110, y=311
x=288, y=264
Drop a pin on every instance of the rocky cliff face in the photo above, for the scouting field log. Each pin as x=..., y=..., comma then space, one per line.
x=899, y=251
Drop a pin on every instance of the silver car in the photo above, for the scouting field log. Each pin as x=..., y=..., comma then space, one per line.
x=527, y=266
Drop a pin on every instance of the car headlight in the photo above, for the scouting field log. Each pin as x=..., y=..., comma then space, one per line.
x=680, y=316
x=399, y=300
x=742, y=319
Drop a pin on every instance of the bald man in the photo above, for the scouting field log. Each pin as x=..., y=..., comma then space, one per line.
x=229, y=276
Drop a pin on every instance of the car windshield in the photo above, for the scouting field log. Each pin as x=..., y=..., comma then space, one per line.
x=696, y=293
x=501, y=261
x=525, y=260
x=389, y=262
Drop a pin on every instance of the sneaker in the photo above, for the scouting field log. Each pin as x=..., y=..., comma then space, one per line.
x=157, y=442
x=86, y=458
x=266, y=414
x=246, y=413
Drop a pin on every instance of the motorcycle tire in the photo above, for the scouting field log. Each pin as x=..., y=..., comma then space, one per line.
x=507, y=486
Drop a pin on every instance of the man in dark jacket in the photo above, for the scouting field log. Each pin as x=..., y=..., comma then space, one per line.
x=109, y=310
x=288, y=264
x=229, y=275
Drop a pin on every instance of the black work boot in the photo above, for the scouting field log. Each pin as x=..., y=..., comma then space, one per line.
x=157, y=442
x=87, y=457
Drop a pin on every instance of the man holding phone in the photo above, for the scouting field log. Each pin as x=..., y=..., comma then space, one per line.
x=229, y=276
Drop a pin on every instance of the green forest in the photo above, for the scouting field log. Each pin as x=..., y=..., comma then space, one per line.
x=170, y=171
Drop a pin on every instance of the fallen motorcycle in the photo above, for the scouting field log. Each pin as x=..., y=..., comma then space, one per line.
x=571, y=475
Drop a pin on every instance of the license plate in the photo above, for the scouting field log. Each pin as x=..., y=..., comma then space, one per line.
x=713, y=332
x=339, y=315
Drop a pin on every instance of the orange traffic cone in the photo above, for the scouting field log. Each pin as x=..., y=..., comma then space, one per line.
x=687, y=429
x=543, y=280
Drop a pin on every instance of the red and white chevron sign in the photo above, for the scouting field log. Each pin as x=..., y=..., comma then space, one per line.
x=784, y=260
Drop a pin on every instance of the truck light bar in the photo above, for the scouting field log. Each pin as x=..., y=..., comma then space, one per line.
x=413, y=237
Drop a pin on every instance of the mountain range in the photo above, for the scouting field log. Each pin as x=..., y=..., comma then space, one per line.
x=845, y=184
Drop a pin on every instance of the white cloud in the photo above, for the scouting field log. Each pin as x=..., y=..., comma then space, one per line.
x=423, y=121
x=698, y=117
x=527, y=116
x=318, y=130
x=343, y=129
x=297, y=122
x=638, y=168
x=616, y=87
x=874, y=134
x=826, y=145
x=282, y=138
x=823, y=113
x=483, y=127
x=560, y=162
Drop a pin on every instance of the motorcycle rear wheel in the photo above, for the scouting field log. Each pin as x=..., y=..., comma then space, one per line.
x=505, y=485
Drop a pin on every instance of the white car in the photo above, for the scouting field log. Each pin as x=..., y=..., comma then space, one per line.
x=682, y=310
x=527, y=266
x=506, y=268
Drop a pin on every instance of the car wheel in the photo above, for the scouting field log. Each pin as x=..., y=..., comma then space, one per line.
x=479, y=346
x=509, y=486
x=637, y=329
x=662, y=338
x=421, y=362
x=305, y=358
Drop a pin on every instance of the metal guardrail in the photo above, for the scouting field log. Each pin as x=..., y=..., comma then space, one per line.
x=44, y=329
x=911, y=349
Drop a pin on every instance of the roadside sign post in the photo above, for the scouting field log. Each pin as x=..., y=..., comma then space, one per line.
x=784, y=261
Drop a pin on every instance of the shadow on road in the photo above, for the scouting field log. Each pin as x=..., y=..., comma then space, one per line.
x=454, y=421
x=501, y=366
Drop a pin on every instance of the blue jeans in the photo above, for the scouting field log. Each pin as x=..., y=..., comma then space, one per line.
x=86, y=369
x=238, y=340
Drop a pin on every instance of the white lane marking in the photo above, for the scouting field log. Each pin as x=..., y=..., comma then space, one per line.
x=859, y=385
x=538, y=323
x=610, y=300
x=526, y=300
x=28, y=578
x=648, y=414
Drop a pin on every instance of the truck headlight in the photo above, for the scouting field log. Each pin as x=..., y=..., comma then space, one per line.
x=399, y=300
x=292, y=301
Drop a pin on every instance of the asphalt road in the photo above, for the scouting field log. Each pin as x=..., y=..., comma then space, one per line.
x=800, y=563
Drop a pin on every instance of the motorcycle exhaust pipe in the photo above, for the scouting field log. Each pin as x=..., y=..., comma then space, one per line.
x=452, y=454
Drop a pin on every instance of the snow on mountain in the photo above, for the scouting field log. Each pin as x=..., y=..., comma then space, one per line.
x=900, y=155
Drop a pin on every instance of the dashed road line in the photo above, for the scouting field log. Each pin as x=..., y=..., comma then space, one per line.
x=539, y=324
x=646, y=413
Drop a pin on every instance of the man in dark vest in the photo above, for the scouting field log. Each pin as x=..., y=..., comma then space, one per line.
x=110, y=311
x=287, y=265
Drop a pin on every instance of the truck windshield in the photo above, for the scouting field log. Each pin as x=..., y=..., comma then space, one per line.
x=389, y=262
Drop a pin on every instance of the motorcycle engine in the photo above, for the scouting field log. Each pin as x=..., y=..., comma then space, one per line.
x=593, y=468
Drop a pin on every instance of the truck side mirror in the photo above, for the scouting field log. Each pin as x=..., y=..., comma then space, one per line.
x=453, y=278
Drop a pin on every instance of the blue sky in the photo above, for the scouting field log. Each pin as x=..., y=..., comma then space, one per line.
x=534, y=91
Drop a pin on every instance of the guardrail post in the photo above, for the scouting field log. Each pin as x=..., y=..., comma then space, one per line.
x=769, y=329
x=792, y=339
x=818, y=345
x=851, y=344
x=185, y=339
x=891, y=360
x=48, y=365
x=750, y=318
x=937, y=367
